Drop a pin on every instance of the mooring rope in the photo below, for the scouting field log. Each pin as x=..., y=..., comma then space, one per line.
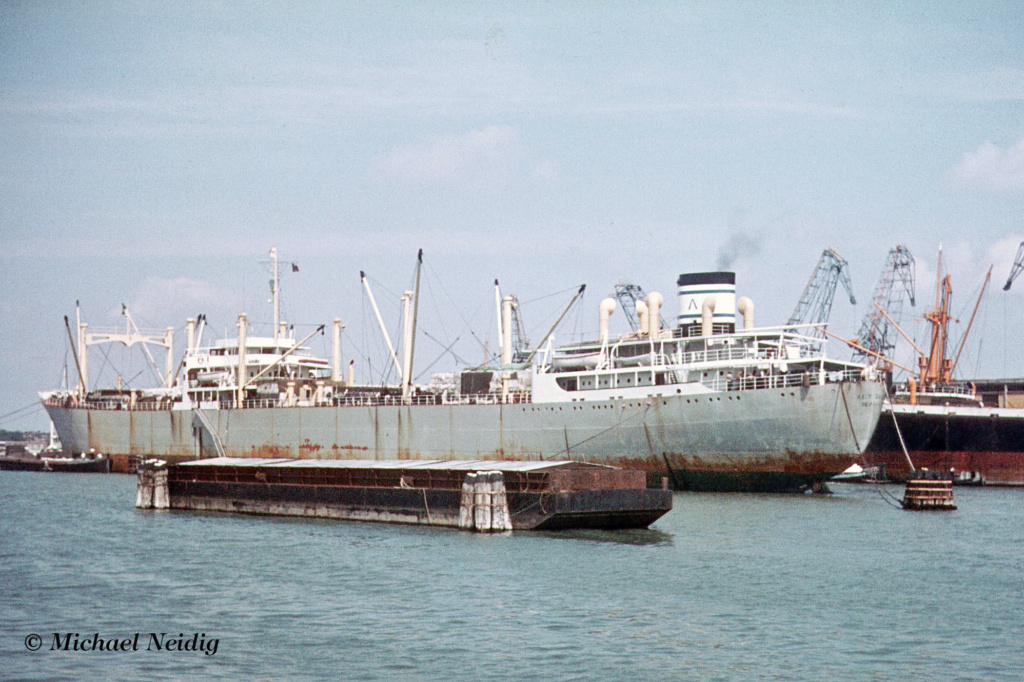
x=885, y=494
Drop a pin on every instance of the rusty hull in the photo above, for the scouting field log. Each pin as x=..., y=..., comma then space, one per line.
x=762, y=440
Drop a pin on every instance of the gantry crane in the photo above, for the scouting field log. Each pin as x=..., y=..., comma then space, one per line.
x=877, y=332
x=815, y=304
x=1018, y=265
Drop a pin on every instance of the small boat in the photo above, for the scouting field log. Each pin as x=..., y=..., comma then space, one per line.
x=855, y=473
x=17, y=458
x=84, y=464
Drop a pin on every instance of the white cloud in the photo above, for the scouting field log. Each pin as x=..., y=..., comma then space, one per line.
x=546, y=172
x=163, y=300
x=991, y=169
x=492, y=153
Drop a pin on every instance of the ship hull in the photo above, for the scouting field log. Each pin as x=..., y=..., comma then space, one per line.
x=985, y=441
x=767, y=440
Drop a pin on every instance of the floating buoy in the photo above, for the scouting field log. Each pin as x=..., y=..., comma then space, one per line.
x=928, y=495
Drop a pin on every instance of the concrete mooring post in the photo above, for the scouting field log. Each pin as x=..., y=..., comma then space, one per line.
x=152, y=490
x=466, y=502
x=484, y=503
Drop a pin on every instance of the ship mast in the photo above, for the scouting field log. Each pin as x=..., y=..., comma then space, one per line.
x=275, y=289
x=935, y=368
x=409, y=345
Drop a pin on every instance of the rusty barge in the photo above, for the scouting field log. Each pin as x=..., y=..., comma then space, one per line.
x=473, y=495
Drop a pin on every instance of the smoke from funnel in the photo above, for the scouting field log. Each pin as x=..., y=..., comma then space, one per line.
x=737, y=246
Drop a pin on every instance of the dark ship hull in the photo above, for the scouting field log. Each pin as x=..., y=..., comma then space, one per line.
x=974, y=444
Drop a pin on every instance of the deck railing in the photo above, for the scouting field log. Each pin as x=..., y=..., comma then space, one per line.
x=731, y=382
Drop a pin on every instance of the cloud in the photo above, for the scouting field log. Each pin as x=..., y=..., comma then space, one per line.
x=493, y=153
x=990, y=169
x=163, y=300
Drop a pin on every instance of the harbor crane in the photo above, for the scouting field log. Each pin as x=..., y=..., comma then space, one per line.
x=519, y=345
x=627, y=295
x=877, y=331
x=815, y=304
x=1018, y=265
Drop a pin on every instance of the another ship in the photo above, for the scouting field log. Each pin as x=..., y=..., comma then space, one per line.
x=705, y=405
x=936, y=423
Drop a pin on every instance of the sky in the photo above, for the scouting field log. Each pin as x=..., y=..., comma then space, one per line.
x=152, y=153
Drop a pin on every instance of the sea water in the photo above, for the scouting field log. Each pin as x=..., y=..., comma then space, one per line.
x=724, y=587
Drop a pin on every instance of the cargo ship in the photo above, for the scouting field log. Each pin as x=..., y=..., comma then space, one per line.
x=949, y=431
x=707, y=405
x=937, y=423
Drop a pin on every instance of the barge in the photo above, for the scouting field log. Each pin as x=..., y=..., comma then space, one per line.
x=476, y=495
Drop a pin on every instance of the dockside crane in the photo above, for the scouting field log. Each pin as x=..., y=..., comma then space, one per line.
x=815, y=304
x=878, y=330
x=627, y=295
x=509, y=315
x=520, y=344
x=1018, y=265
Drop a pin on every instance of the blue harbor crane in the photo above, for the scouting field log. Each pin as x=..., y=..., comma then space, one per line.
x=628, y=294
x=878, y=331
x=1018, y=265
x=520, y=344
x=815, y=304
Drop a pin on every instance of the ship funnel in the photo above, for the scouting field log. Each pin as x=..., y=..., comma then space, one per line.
x=745, y=307
x=697, y=286
x=606, y=309
x=654, y=302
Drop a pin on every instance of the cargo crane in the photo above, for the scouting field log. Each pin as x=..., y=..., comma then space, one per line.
x=520, y=344
x=877, y=331
x=815, y=304
x=628, y=294
x=1018, y=265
